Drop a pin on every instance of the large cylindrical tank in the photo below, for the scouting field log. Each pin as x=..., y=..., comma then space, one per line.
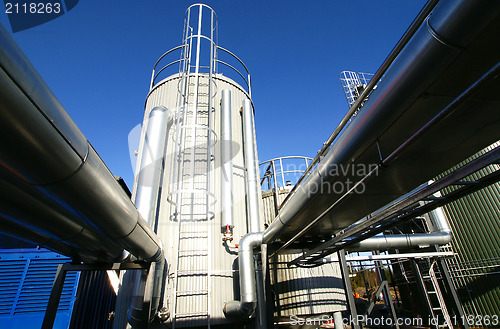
x=190, y=208
x=307, y=292
x=475, y=225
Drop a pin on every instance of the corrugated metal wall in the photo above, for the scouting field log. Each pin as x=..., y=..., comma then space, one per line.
x=302, y=291
x=224, y=278
x=26, y=278
x=475, y=221
x=95, y=302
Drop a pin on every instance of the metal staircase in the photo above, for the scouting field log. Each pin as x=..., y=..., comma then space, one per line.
x=429, y=273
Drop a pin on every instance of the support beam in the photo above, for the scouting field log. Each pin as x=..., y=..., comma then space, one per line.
x=348, y=289
x=57, y=286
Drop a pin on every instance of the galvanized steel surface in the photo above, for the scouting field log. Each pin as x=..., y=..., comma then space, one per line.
x=223, y=266
x=68, y=174
x=476, y=227
x=302, y=291
x=427, y=76
x=306, y=291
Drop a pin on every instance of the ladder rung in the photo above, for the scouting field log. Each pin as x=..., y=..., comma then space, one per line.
x=191, y=315
x=192, y=292
x=185, y=254
x=432, y=198
x=462, y=182
x=431, y=292
x=192, y=272
x=436, y=308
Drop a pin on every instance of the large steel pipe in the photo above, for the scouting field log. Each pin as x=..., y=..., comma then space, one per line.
x=251, y=164
x=245, y=307
x=11, y=228
x=148, y=183
x=432, y=70
x=226, y=154
x=44, y=148
x=22, y=205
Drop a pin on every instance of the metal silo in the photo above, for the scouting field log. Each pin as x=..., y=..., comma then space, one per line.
x=199, y=185
x=313, y=293
x=476, y=227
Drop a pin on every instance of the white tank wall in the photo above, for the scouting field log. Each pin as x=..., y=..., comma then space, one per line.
x=302, y=291
x=224, y=280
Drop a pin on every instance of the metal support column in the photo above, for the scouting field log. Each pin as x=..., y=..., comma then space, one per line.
x=348, y=289
x=55, y=296
x=453, y=293
x=421, y=285
x=386, y=292
x=57, y=286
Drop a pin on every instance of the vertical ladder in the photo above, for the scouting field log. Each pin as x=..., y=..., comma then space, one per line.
x=192, y=290
x=434, y=297
x=459, y=275
x=191, y=194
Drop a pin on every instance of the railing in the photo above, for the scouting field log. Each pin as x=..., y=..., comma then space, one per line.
x=282, y=172
x=241, y=75
x=412, y=29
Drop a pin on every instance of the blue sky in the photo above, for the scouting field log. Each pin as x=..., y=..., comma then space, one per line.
x=98, y=57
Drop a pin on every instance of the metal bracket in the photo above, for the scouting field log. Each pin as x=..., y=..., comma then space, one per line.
x=62, y=269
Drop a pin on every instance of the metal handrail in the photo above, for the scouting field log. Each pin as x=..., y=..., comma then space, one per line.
x=153, y=76
x=246, y=78
x=274, y=173
x=232, y=67
x=412, y=29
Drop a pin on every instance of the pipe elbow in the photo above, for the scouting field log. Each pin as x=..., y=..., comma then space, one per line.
x=136, y=316
x=249, y=242
x=236, y=309
x=244, y=308
x=447, y=236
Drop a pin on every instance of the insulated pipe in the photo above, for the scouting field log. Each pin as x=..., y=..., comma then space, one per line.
x=251, y=166
x=23, y=206
x=34, y=125
x=15, y=230
x=146, y=200
x=227, y=161
x=435, y=46
x=245, y=307
x=401, y=241
x=151, y=166
x=440, y=234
